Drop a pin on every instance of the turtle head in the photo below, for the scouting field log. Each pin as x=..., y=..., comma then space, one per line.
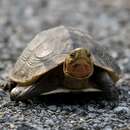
x=78, y=64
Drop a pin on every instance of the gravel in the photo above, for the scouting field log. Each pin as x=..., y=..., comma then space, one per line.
x=107, y=21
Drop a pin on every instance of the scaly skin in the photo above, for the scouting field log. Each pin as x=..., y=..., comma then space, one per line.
x=78, y=64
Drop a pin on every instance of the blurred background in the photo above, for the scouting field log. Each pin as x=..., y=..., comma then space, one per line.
x=108, y=21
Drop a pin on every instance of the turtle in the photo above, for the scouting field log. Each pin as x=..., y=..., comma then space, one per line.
x=61, y=60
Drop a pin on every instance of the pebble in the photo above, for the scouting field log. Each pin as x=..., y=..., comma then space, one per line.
x=49, y=122
x=52, y=107
x=26, y=127
x=107, y=128
x=2, y=120
x=124, y=110
x=90, y=108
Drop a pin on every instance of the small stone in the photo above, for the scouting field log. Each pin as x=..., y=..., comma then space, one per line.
x=49, y=122
x=91, y=108
x=12, y=126
x=2, y=120
x=107, y=128
x=25, y=126
x=120, y=110
x=52, y=107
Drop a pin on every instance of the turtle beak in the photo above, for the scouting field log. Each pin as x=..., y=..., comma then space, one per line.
x=80, y=69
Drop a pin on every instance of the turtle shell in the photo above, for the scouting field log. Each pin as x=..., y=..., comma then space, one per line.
x=49, y=49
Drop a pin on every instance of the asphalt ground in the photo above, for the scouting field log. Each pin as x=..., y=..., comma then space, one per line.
x=107, y=21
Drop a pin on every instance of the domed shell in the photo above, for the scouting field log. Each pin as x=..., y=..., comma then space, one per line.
x=49, y=49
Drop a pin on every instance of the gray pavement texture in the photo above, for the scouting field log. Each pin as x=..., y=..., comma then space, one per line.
x=107, y=21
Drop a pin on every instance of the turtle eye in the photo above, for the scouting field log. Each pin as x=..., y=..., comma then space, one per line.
x=88, y=54
x=72, y=55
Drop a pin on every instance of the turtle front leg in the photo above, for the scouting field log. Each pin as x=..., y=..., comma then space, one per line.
x=106, y=84
x=22, y=93
x=44, y=84
x=25, y=93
